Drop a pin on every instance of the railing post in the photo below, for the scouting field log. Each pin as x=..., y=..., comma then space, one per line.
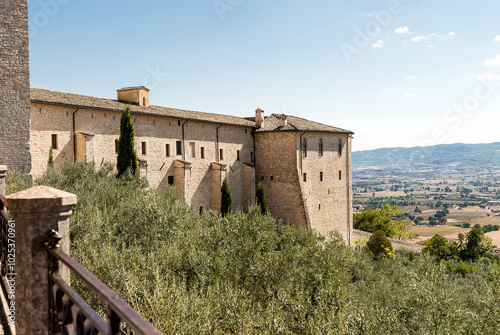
x=3, y=173
x=36, y=211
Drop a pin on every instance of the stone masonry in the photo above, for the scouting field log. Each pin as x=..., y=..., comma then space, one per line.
x=304, y=166
x=14, y=85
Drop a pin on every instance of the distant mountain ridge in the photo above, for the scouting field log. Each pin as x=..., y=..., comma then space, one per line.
x=458, y=156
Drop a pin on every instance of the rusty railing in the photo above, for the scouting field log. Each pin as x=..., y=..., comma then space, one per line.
x=70, y=314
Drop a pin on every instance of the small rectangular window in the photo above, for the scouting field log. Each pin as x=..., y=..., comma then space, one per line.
x=321, y=176
x=167, y=150
x=237, y=155
x=320, y=147
x=54, y=141
x=340, y=148
x=305, y=177
x=201, y=209
x=251, y=157
x=340, y=175
x=202, y=152
x=116, y=146
x=178, y=148
x=193, y=149
x=272, y=178
x=221, y=154
x=143, y=148
x=170, y=180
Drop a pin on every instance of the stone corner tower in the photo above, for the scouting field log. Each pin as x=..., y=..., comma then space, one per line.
x=14, y=85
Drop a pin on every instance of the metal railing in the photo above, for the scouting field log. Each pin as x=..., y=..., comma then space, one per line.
x=70, y=314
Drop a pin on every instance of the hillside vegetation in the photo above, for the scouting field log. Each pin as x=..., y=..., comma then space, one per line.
x=245, y=274
x=461, y=157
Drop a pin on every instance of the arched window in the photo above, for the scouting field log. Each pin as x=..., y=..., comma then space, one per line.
x=320, y=147
x=304, y=147
x=340, y=147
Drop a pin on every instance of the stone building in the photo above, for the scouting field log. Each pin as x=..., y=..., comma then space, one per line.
x=14, y=85
x=304, y=166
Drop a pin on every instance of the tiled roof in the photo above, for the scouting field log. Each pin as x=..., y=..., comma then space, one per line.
x=81, y=101
x=271, y=123
x=133, y=88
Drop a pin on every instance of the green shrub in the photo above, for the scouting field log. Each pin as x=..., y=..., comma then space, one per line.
x=379, y=245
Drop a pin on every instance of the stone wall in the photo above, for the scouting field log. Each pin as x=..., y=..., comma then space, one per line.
x=96, y=133
x=276, y=170
x=326, y=188
x=14, y=85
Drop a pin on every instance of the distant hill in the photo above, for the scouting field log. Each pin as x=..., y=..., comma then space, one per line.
x=451, y=157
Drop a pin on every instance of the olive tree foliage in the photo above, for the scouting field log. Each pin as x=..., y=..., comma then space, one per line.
x=226, y=198
x=244, y=274
x=127, y=158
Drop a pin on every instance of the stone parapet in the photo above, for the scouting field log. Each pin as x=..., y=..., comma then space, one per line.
x=36, y=211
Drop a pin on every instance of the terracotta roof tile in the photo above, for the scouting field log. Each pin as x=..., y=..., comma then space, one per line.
x=75, y=100
x=271, y=123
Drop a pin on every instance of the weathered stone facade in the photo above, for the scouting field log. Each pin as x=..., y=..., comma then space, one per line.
x=96, y=131
x=305, y=167
x=14, y=85
x=307, y=177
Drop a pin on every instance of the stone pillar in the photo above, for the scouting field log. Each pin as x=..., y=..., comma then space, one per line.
x=3, y=173
x=36, y=211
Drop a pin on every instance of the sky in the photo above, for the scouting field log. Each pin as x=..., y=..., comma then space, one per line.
x=398, y=73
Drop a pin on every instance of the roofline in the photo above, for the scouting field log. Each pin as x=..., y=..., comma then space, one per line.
x=308, y=131
x=136, y=112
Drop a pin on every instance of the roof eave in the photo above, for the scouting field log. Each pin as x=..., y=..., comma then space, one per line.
x=137, y=112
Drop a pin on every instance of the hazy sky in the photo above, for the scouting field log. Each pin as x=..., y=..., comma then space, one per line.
x=397, y=72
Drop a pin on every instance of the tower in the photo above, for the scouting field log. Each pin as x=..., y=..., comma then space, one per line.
x=14, y=85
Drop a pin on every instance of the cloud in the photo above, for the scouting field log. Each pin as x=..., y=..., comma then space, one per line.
x=418, y=38
x=489, y=77
x=492, y=62
x=430, y=46
x=451, y=33
x=378, y=44
x=402, y=30
x=497, y=39
x=410, y=78
x=411, y=95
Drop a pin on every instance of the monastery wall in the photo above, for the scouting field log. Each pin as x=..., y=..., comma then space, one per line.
x=276, y=170
x=326, y=184
x=97, y=131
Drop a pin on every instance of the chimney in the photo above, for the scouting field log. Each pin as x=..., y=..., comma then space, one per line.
x=138, y=95
x=259, y=117
x=283, y=120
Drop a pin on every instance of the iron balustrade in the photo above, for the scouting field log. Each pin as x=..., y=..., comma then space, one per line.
x=70, y=314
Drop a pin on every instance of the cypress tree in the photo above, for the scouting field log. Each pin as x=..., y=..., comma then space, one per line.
x=127, y=157
x=50, y=162
x=260, y=197
x=226, y=198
